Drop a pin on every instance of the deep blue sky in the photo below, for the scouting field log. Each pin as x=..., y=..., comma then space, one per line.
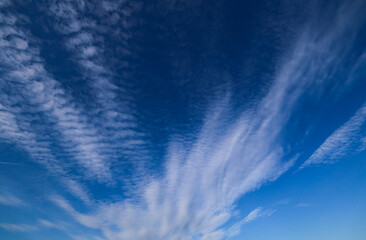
x=179, y=120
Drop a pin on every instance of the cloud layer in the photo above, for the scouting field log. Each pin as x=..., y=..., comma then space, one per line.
x=195, y=196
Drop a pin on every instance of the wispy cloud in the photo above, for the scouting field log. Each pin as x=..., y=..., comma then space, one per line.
x=41, y=225
x=9, y=200
x=18, y=227
x=305, y=205
x=42, y=99
x=11, y=163
x=363, y=144
x=113, y=114
x=253, y=215
x=197, y=194
x=38, y=115
x=4, y=3
x=44, y=224
x=342, y=141
x=47, y=223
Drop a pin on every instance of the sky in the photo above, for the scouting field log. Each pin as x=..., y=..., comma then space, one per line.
x=182, y=120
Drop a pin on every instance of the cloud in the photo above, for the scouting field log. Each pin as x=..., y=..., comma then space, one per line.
x=4, y=3
x=11, y=163
x=45, y=224
x=304, y=205
x=342, y=141
x=8, y=200
x=229, y=158
x=113, y=114
x=41, y=225
x=253, y=215
x=40, y=96
x=197, y=193
x=77, y=190
x=363, y=144
x=18, y=227
x=76, y=237
x=284, y=201
x=39, y=116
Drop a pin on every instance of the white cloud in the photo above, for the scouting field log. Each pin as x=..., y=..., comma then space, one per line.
x=81, y=38
x=4, y=3
x=77, y=190
x=18, y=227
x=41, y=225
x=47, y=223
x=304, y=205
x=32, y=97
x=253, y=215
x=341, y=141
x=35, y=87
x=113, y=113
x=363, y=144
x=198, y=191
x=76, y=237
x=9, y=200
x=196, y=195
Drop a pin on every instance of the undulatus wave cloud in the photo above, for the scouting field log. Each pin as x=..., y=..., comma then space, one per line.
x=181, y=119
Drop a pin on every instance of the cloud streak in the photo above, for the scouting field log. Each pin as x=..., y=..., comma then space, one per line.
x=253, y=215
x=9, y=200
x=38, y=116
x=115, y=120
x=342, y=141
x=42, y=97
x=18, y=227
x=42, y=224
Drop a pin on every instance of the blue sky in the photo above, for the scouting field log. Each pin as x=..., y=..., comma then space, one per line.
x=182, y=120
